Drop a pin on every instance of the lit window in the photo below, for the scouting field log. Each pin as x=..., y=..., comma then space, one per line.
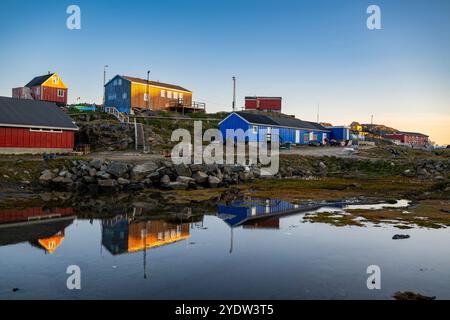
x=124, y=96
x=175, y=95
x=181, y=95
x=55, y=80
x=163, y=93
x=169, y=94
x=145, y=97
x=60, y=93
x=255, y=129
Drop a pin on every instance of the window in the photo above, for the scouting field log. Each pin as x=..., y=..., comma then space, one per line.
x=255, y=129
x=55, y=80
x=181, y=95
x=306, y=137
x=115, y=82
x=119, y=82
x=60, y=93
x=163, y=93
x=145, y=97
x=175, y=95
x=124, y=96
x=46, y=130
x=169, y=94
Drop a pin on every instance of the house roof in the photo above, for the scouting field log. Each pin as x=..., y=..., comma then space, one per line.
x=37, y=81
x=413, y=133
x=280, y=120
x=33, y=114
x=156, y=83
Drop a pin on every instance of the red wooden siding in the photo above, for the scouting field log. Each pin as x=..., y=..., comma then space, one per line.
x=19, y=215
x=51, y=94
x=25, y=138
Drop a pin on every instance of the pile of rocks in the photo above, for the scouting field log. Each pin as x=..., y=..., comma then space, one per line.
x=428, y=169
x=97, y=175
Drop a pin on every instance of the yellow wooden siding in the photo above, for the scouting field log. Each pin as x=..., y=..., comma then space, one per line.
x=157, y=102
x=50, y=82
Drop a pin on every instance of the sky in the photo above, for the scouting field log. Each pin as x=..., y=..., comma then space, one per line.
x=311, y=52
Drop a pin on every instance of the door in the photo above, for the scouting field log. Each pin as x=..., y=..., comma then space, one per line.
x=297, y=136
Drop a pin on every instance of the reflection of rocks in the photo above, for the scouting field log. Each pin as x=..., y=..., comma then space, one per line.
x=400, y=237
x=408, y=295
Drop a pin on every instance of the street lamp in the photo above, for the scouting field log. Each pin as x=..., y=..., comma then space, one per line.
x=104, y=83
x=148, y=83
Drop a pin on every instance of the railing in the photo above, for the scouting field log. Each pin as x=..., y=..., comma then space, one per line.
x=122, y=117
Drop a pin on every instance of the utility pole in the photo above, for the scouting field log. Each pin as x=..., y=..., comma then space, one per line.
x=104, y=83
x=318, y=111
x=148, y=84
x=234, y=93
x=371, y=120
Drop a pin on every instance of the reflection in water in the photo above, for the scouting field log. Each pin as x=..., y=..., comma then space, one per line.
x=43, y=228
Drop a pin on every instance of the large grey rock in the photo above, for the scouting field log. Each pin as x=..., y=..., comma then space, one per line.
x=213, y=181
x=103, y=175
x=96, y=163
x=200, y=177
x=165, y=179
x=92, y=172
x=177, y=186
x=123, y=181
x=140, y=171
x=108, y=183
x=185, y=180
x=46, y=176
x=117, y=169
x=183, y=170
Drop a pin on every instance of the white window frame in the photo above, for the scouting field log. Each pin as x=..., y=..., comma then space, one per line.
x=169, y=94
x=46, y=130
x=60, y=93
x=255, y=129
x=175, y=95
x=163, y=93
x=124, y=96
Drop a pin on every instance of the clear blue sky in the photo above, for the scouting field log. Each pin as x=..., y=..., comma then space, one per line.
x=309, y=52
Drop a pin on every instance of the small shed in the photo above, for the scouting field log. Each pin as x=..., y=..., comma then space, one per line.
x=35, y=127
x=260, y=126
x=339, y=133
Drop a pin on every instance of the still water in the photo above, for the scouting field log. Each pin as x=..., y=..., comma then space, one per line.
x=228, y=254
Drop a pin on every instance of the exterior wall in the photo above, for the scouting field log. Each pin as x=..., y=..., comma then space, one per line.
x=24, y=140
x=24, y=215
x=157, y=101
x=285, y=134
x=340, y=133
x=51, y=94
x=118, y=94
x=263, y=104
x=416, y=140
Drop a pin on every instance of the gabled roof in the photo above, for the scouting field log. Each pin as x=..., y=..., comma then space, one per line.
x=33, y=114
x=37, y=81
x=280, y=120
x=156, y=83
x=413, y=133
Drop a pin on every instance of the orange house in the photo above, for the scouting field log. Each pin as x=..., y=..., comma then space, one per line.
x=49, y=87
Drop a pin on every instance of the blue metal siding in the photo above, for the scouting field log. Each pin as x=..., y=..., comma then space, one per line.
x=285, y=134
x=114, y=94
x=340, y=134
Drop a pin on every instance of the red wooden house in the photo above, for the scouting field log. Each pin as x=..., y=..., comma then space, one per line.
x=414, y=139
x=49, y=87
x=270, y=104
x=28, y=126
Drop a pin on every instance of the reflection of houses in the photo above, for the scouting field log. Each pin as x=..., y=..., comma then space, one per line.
x=248, y=212
x=123, y=236
x=42, y=228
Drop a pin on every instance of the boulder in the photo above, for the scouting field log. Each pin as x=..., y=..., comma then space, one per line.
x=46, y=176
x=96, y=164
x=103, y=175
x=200, y=177
x=213, y=181
x=92, y=172
x=165, y=179
x=117, y=169
x=107, y=183
x=177, y=186
x=400, y=236
x=123, y=182
x=183, y=170
x=140, y=171
x=185, y=180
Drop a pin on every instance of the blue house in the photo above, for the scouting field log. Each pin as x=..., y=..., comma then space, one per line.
x=260, y=126
x=339, y=133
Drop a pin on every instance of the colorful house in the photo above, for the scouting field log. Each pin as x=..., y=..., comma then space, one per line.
x=127, y=94
x=28, y=126
x=49, y=87
x=339, y=133
x=260, y=126
x=269, y=104
x=414, y=139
